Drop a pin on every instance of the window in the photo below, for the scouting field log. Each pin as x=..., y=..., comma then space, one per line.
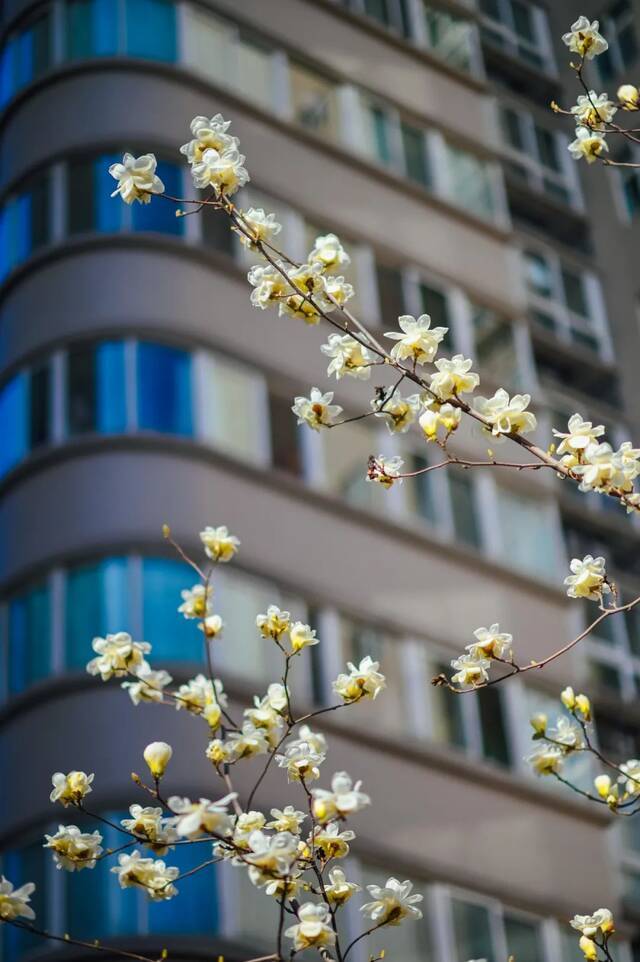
x=617, y=25
x=286, y=449
x=520, y=29
x=26, y=55
x=150, y=29
x=493, y=726
x=614, y=652
x=448, y=720
x=29, y=637
x=25, y=222
x=390, y=294
x=450, y=37
x=472, y=930
x=527, y=533
x=314, y=101
x=95, y=389
x=524, y=939
x=565, y=300
x=164, y=389
x=464, y=509
x=416, y=161
x=174, y=638
x=421, y=490
x=435, y=303
x=496, y=349
x=91, y=28
x=538, y=156
x=628, y=181
x=358, y=640
x=231, y=403
x=469, y=182
x=96, y=604
x=140, y=28
x=14, y=413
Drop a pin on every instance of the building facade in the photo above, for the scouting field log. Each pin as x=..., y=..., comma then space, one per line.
x=138, y=387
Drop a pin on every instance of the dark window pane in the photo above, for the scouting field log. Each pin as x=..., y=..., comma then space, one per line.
x=448, y=718
x=381, y=135
x=574, y=292
x=414, y=154
x=285, y=437
x=164, y=389
x=39, y=44
x=511, y=131
x=547, y=149
x=539, y=275
x=29, y=637
x=96, y=389
x=14, y=401
x=523, y=940
x=151, y=29
x=434, y=303
x=96, y=603
x=91, y=28
x=523, y=20
x=390, y=294
x=197, y=910
x=40, y=408
x=472, y=931
x=465, y=522
x=425, y=501
x=174, y=638
x=378, y=10
x=216, y=231
x=160, y=214
x=81, y=199
x=492, y=724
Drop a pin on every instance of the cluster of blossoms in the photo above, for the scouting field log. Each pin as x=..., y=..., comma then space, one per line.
x=588, y=579
x=595, y=931
x=568, y=736
x=472, y=668
x=595, y=463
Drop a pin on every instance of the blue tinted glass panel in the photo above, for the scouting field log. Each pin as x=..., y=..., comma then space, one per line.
x=96, y=906
x=29, y=637
x=151, y=29
x=95, y=389
x=8, y=83
x=111, y=415
x=164, y=389
x=91, y=28
x=195, y=909
x=14, y=417
x=28, y=864
x=159, y=214
x=173, y=637
x=110, y=211
x=97, y=603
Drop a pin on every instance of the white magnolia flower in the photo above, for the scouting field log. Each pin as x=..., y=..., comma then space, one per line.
x=157, y=755
x=264, y=227
x=418, y=340
x=589, y=144
x=301, y=760
x=302, y=636
x=329, y=252
x=316, y=411
x=150, y=874
x=208, y=133
x=631, y=776
x=274, y=623
x=628, y=96
x=219, y=752
x=454, y=377
x=201, y=696
x=70, y=789
x=118, y=654
x=567, y=733
x=398, y=412
x=546, y=759
x=436, y=416
x=313, y=929
x=248, y=742
x=337, y=291
x=149, y=686
x=196, y=601
x=506, y=415
x=272, y=854
x=573, y=703
x=264, y=716
x=306, y=281
x=386, y=471
x=581, y=434
x=392, y=903
x=594, y=110
x=269, y=286
x=348, y=357
x=330, y=842
x=587, y=579
x=202, y=817
x=246, y=823
x=339, y=890
x=223, y=170
x=601, y=922
x=212, y=626
x=584, y=38
x=470, y=670
x=344, y=799
x=316, y=740
x=137, y=178
x=287, y=819
x=491, y=643
x=15, y=902
x=276, y=697
x=219, y=545
x=151, y=828
x=73, y=849
x=363, y=681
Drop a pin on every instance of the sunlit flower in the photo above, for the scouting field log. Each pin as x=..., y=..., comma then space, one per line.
x=148, y=686
x=454, y=377
x=579, y=436
x=272, y=854
x=584, y=38
x=339, y=890
x=344, y=799
x=301, y=760
x=588, y=144
x=392, y=903
x=398, y=412
x=306, y=281
x=157, y=755
x=416, y=339
x=264, y=227
x=506, y=415
x=631, y=776
x=313, y=929
x=629, y=97
x=316, y=411
x=223, y=170
x=269, y=285
x=117, y=654
x=137, y=178
x=337, y=291
x=567, y=733
x=248, y=742
x=470, y=670
x=436, y=416
x=491, y=643
x=546, y=759
x=219, y=752
x=246, y=823
x=594, y=110
x=330, y=842
x=363, y=681
x=348, y=357
x=196, y=601
x=212, y=625
x=600, y=923
x=315, y=739
x=70, y=789
x=274, y=623
x=73, y=849
x=302, y=636
x=385, y=470
x=202, y=817
x=287, y=819
x=587, y=578
x=150, y=874
x=328, y=250
x=201, y=696
x=219, y=545
x=208, y=133
x=151, y=828
x=15, y=902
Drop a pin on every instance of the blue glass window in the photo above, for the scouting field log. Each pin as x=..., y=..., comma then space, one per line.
x=24, y=223
x=173, y=637
x=28, y=864
x=151, y=29
x=95, y=388
x=160, y=214
x=29, y=637
x=25, y=56
x=96, y=906
x=14, y=415
x=91, y=28
x=164, y=389
x=97, y=603
x=195, y=909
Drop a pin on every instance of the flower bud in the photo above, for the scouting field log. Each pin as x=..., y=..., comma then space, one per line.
x=157, y=755
x=602, y=785
x=589, y=948
x=539, y=723
x=583, y=705
x=568, y=698
x=629, y=97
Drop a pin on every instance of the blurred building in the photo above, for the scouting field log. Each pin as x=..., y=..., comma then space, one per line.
x=138, y=386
